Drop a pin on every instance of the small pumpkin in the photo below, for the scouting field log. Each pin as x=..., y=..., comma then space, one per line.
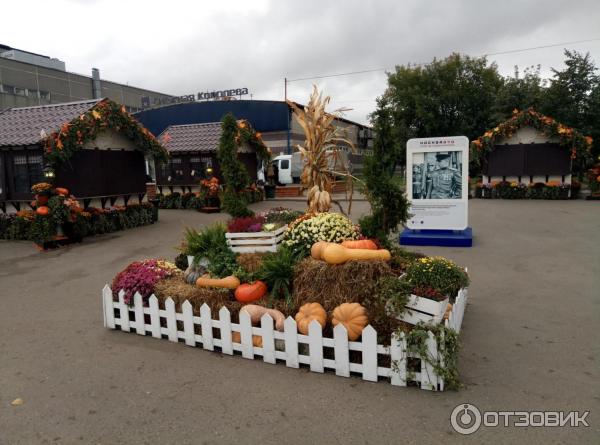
x=249, y=292
x=193, y=272
x=256, y=312
x=360, y=244
x=62, y=191
x=41, y=200
x=309, y=312
x=338, y=254
x=257, y=340
x=43, y=211
x=230, y=282
x=353, y=316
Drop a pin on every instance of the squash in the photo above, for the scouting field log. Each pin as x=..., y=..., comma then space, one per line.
x=256, y=312
x=353, y=316
x=360, y=244
x=448, y=311
x=317, y=249
x=247, y=293
x=230, y=282
x=257, y=341
x=338, y=254
x=43, y=211
x=62, y=191
x=309, y=312
x=193, y=272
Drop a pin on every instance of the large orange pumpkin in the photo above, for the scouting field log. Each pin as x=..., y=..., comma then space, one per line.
x=353, y=316
x=247, y=293
x=309, y=312
x=360, y=244
x=43, y=210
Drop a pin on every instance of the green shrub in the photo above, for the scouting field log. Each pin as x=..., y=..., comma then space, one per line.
x=277, y=271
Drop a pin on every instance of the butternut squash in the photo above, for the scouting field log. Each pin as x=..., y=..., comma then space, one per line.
x=317, y=249
x=230, y=282
x=256, y=312
x=360, y=244
x=338, y=254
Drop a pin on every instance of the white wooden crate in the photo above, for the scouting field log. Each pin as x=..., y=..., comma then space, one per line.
x=420, y=309
x=146, y=320
x=249, y=242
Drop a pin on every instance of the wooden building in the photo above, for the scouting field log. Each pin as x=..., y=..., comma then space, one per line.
x=94, y=148
x=193, y=156
x=530, y=148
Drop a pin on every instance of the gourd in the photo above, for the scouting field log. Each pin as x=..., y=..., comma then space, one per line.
x=62, y=191
x=256, y=312
x=317, y=249
x=353, y=316
x=247, y=293
x=360, y=244
x=338, y=254
x=230, y=282
x=257, y=341
x=448, y=311
x=193, y=272
x=309, y=312
x=42, y=210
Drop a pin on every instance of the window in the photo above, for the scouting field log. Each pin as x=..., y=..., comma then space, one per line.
x=45, y=95
x=172, y=170
x=285, y=164
x=27, y=170
x=8, y=89
x=32, y=93
x=20, y=91
x=197, y=170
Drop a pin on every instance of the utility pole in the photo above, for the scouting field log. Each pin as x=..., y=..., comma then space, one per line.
x=285, y=89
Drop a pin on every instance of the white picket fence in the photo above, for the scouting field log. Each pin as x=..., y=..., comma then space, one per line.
x=250, y=242
x=289, y=346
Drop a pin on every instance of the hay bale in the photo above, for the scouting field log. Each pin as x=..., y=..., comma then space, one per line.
x=332, y=285
x=251, y=262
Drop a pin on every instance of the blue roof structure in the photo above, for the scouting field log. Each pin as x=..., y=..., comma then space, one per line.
x=264, y=115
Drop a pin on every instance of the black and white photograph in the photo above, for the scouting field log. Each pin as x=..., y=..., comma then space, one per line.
x=437, y=175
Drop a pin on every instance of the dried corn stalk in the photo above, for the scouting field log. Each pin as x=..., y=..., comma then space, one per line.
x=320, y=151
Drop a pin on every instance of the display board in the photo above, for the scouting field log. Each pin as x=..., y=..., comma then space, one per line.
x=437, y=174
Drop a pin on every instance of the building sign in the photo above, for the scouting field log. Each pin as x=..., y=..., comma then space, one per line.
x=208, y=95
x=437, y=173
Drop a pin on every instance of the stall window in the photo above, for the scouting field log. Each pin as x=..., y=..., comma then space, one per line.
x=176, y=168
x=196, y=167
x=27, y=171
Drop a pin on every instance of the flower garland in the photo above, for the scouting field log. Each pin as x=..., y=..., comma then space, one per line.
x=246, y=135
x=580, y=145
x=61, y=145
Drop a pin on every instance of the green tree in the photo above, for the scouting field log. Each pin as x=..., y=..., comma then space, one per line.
x=573, y=98
x=519, y=92
x=233, y=170
x=454, y=96
x=389, y=206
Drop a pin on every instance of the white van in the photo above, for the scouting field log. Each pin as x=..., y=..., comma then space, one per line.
x=291, y=166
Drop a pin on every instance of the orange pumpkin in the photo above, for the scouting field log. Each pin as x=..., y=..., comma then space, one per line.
x=43, y=210
x=41, y=200
x=247, y=293
x=360, y=244
x=256, y=339
x=353, y=316
x=309, y=312
x=62, y=191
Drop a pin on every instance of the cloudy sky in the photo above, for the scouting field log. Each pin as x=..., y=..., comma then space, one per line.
x=182, y=47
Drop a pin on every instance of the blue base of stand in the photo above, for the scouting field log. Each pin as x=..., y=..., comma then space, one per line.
x=445, y=238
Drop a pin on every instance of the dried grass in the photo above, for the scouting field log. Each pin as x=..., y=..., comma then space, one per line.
x=251, y=262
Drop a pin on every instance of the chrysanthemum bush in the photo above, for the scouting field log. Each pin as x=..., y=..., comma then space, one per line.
x=437, y=273
x=142, y=276
x=332, y=227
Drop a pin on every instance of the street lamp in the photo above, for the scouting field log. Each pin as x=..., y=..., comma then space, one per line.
x=48, y=173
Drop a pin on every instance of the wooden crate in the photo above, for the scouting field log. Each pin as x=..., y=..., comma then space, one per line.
x=424, y=309
x=250, y=242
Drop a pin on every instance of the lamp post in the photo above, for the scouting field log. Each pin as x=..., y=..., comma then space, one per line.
x=49, y=173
